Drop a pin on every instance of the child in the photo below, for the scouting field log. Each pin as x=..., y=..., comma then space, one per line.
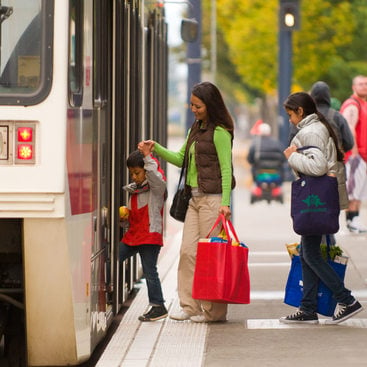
x=145, y=224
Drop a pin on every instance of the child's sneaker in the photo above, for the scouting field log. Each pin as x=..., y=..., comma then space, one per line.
x=155, y=313
x=300, y=317
x=344, y=312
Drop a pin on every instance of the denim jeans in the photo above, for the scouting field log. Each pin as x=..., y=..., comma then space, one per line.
x=149, y=257
x=315, y=268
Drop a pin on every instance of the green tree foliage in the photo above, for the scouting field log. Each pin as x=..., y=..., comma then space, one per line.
x=236, y=88
x=330, y=44
x=326, y=28
x=351, y=59
x=249, y=28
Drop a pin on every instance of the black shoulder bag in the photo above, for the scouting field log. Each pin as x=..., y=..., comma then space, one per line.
x=180, y=201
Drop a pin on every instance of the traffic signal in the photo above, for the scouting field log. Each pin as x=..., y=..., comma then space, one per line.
x=289, y=15
x=189, y=30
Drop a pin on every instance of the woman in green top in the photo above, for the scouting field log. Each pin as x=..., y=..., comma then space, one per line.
x=207, y=155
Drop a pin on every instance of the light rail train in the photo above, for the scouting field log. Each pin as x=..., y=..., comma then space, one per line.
x=81, y=82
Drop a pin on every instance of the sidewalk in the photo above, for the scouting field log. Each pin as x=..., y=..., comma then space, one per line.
x=252, y=335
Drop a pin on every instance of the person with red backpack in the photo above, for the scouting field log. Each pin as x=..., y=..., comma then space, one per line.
x=354, y=109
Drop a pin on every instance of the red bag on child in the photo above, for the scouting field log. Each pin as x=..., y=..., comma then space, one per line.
x=221, y=270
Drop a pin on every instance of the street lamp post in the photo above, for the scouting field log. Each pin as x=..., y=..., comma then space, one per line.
x=213, y=40
x=284, y=81
x=288, y=22
x=193, y=60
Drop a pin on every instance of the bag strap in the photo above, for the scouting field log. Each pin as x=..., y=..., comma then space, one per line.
x=183, y=168
x=181, y=175
x=328, y=246
x=307, y=147
x=356, y=100
x=231, y=228
x=228, y=227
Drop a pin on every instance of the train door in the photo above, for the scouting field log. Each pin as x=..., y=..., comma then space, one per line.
x=102, y=120
x=120, y=150
x=128, y=75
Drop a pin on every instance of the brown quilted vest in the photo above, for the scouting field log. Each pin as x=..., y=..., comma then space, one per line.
x=206, y=158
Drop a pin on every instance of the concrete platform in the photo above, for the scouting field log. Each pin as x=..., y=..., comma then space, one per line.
x=252, y=336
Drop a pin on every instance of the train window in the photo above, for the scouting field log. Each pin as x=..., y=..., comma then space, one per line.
x=76, y=53
x=26, y=34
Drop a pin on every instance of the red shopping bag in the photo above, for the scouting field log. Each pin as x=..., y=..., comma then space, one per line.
x=221, y=270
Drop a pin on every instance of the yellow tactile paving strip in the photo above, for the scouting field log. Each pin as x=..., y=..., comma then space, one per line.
x=160, y=343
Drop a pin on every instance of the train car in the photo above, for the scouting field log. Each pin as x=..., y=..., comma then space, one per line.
x=81, y=82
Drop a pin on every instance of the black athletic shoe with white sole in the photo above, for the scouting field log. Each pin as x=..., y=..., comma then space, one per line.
x=344, y=312
x=300, y=317
x=155, y=313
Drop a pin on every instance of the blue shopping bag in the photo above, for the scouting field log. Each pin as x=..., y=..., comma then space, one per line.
x=326, y=303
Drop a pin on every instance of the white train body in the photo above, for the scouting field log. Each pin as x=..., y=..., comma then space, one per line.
x=81, y=82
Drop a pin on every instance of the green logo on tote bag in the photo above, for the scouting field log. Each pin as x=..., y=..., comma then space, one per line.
x=314, y=203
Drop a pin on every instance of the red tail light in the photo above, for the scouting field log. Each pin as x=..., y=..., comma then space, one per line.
x=25, y=151
x=25, y=134
x=25, y=143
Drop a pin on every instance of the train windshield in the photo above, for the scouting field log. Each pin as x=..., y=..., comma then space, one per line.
x=25, y=51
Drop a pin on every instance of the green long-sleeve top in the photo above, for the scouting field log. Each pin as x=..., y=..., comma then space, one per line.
x=223, y=144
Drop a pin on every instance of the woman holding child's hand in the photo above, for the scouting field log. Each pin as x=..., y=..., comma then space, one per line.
x=207, y=157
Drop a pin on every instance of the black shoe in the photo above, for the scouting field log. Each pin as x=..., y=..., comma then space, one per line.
x=155, y=313
x=343, y=312
x=300, y=317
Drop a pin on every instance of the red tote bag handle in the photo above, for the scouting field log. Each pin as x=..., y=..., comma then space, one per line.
x=228, y=227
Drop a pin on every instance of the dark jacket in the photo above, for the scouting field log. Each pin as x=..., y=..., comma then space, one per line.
x=266, y=152
x=321, y=94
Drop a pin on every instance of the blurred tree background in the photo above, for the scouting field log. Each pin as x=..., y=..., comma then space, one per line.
x=330, y=46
